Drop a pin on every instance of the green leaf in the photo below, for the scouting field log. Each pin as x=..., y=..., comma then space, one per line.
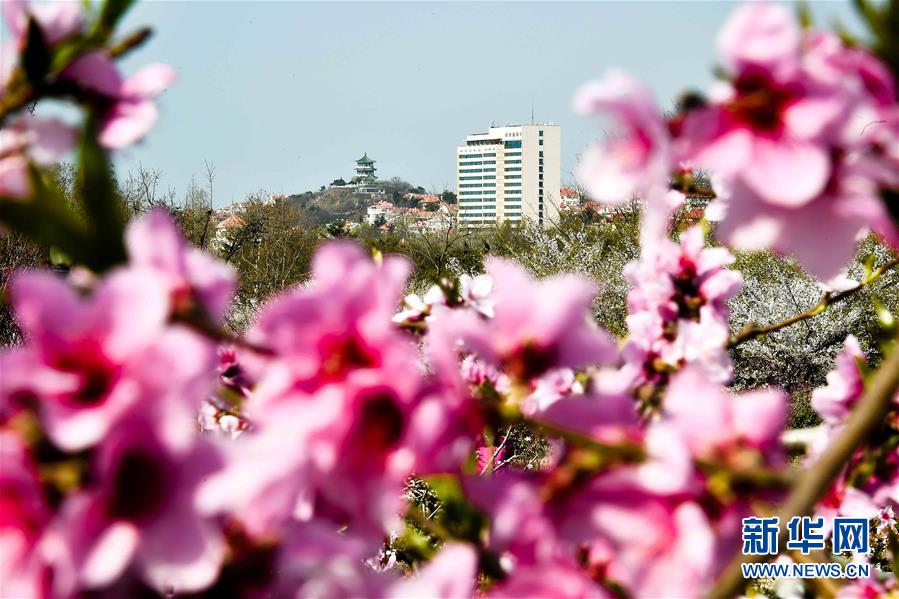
x=111, y=12
x=457, y=515
x=804, y=14
x=36, y=55
x=67, y=51
x=103, y=209
x=59, y=257
x=46, y=220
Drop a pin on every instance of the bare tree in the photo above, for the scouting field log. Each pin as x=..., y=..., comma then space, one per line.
x=142, y=191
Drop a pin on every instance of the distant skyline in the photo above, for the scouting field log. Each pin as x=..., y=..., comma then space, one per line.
x=285, y=96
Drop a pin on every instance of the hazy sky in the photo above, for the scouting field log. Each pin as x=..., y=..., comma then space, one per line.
x=284, y=96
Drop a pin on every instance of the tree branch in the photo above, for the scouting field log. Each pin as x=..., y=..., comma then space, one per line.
x=868, y=415
x=753, y=330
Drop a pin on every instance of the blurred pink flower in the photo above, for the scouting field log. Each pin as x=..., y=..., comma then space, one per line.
x=475, y=372
x=760, y=35
x=636, y=161
x=769, y=126
x=538, y=325
x=57, y=20
x=521, y=530
x=837, y=218
x=560, y=400
x=834, y=401
x=89, y=361
x=23, y=518
x=42, y=141
x=341, y=323
x=313, y=559
x=869, y=588
x=805, y=136
x=450, y=574
x=140, y=509
x=476, y=293
x=657, y=545
x=193, y=278
x=717, y=425
x=131, y=112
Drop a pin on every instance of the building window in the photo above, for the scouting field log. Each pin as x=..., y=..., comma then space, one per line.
x=541, y=133
x=541, y=142
x=513, y=144
x=541, y=153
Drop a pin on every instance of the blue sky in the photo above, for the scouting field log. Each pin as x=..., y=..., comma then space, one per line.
x=284, y=96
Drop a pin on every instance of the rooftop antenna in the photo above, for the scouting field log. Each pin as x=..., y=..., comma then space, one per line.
x=532, y=111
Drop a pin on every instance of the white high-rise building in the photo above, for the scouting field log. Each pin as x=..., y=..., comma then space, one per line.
x=509, y=174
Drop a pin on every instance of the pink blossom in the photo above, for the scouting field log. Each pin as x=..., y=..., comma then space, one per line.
x=760, y=35
x=870, y=588
x=538, y=325
x=8, y=58
x=768, y=126
x=521, y=529
x=838, y=217
x=562, y=579
x=805, y=135
x=719, y=426
x=131, y=112
x=656, y=545
x=342, y=455
x=678, y=311
x=476, y=372
x=834, y=401
x=476, y=292
x=341, y=323
x=88, y=361
x=140, y=510
x=57, y=20
x=194, y=279
x=418, y=309
x=42, y=141
x=560, y=400
x=23, y=518
x=232, y=373
x=335, y=402
x=311, y=560
x=637, y=161
x=449, y=575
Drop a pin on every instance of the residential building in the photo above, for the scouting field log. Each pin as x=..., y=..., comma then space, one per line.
x=569, y=198
x=435, y=217
x=508, y=174
x=376, y=211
